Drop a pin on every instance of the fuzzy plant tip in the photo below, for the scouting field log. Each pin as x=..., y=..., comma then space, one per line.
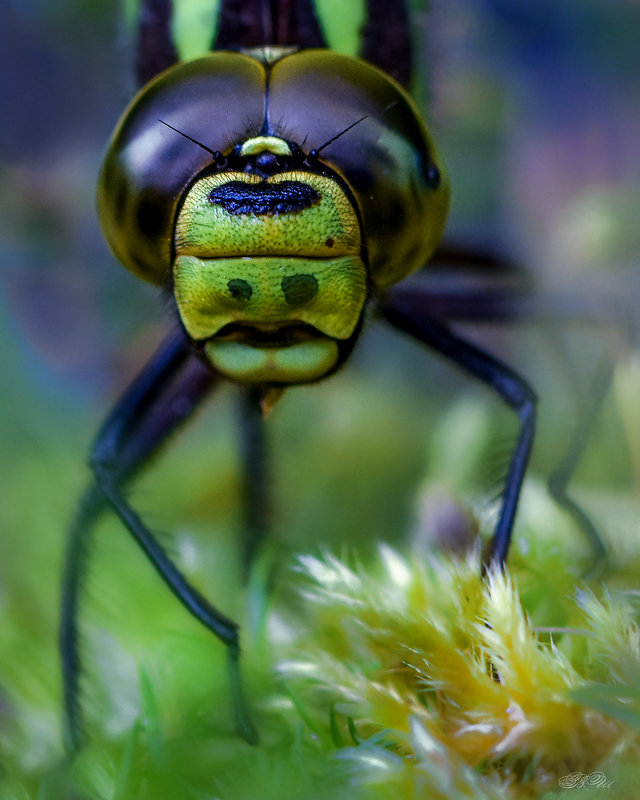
x=435, y=682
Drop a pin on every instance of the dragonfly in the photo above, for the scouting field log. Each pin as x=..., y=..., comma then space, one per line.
x=279, y=193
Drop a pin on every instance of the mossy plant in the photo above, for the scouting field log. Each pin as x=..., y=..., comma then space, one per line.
x=442, y=686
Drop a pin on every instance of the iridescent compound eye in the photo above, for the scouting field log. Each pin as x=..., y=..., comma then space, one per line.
x=364, y=128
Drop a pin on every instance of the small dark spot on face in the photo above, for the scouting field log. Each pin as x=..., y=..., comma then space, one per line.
x=299, y=289
x=330, y=242
x=239, y=289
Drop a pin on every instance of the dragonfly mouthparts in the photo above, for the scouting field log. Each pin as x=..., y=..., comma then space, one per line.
x=268, y=334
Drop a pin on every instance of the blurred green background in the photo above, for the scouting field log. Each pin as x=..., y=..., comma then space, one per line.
x=536, y=107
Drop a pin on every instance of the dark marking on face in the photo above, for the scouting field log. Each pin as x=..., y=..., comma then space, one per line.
x=330, y=242
x=264, y=199
x=299, y=289
x=239, y=289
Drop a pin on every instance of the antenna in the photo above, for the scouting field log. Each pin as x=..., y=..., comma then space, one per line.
x=315, y=151
x=214, y=153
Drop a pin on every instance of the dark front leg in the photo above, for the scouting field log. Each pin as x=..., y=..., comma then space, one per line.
x=267, y=22
x=165, y=394
x=590, y=403
x=386, y=38
x=156, y=51
x=492, y=291
x=512, y=388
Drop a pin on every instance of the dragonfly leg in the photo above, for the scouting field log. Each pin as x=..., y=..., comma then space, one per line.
x=386, y=39
x=504, y=299
x=89, y=509
x=155, y=48
x=165, y=394
x=561, y=476
x=268, y=22
x=255, y=473
x=510, y=386
x=221, y=626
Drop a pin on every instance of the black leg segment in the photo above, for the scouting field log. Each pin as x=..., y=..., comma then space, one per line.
x=513, y=389
x=254, y=23
x=561, y=476
x=386, y=38
x=156, y=51
x=89, y=509
x=490, y=291
x=253, y=454
x=165, y=394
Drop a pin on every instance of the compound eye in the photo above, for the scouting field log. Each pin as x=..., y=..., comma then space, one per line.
x=175, y=128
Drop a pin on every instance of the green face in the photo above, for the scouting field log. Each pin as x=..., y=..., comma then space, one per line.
x=268, y=272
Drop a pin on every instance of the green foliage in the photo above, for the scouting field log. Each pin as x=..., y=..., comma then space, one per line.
x=366, y=687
